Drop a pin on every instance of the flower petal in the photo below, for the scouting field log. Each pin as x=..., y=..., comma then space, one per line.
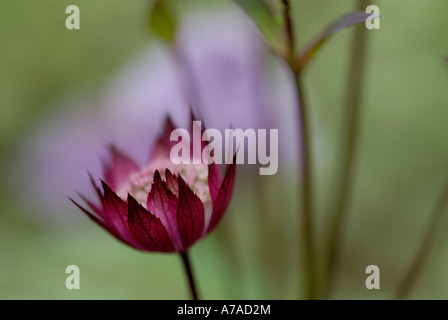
x=99, y=210
x=214, y=179
x=115, y=209
x=119, y=169
x=223, y=198
x=92, y=181
x=147, y=228
x=162, y=203
x=102, y=224
x=190, y=215
x=171, y=182
x=115, y=214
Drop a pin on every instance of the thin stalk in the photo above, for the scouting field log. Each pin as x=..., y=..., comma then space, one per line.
x=307, y=196
x=309, y=277
x=427, y=244
x=189, y=273
x=354, y=93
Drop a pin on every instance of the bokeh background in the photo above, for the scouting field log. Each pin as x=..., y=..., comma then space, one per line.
x=50, y=75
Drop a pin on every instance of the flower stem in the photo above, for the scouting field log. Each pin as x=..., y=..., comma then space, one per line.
x=189, y=273
x=425, y=248
x=337, y=213
x=307, y=196
x=309, y=278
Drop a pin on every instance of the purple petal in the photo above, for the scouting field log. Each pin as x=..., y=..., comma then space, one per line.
x=190, y=215
x=147, y=228
x=222, y=69
x=224, y=195
x=119, y=169
x=162, y=203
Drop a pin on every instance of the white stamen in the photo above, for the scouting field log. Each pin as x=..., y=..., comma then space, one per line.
x=139, y=183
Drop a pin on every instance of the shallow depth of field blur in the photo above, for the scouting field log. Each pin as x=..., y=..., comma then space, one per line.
x=400, y=169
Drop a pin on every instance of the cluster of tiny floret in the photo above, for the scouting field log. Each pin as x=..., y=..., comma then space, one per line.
x=139, y=183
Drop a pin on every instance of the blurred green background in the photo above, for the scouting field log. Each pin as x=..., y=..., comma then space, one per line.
x=401, y=167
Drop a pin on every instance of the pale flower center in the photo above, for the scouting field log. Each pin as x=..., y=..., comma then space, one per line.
x=139, y=183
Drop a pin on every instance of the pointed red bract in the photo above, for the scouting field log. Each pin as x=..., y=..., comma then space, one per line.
x=171, y=182
x=223, y=197
x=106, y=227
x=147, y=228
x=190, y=215
x=163, y=204
x=99, y=210
x=119, y=169
x=93, y=206
x=214, y=179
x=92, y=181
x=115, y=214
x=115, y=210
x=94, y=218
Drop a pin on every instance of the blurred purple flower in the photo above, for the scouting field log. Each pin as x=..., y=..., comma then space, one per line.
x=221, y=68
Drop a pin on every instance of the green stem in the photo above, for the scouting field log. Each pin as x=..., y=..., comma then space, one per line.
x=307, y=196
x=189, y=273
x=427, y=244
x=309, y=277
x=337, y=213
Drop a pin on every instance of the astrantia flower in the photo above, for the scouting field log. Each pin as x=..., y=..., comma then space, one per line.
x=236, y=84
x=161, y=206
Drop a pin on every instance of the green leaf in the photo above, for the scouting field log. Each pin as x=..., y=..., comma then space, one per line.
x=346, y=21
x=267, y=22
x=162, y=21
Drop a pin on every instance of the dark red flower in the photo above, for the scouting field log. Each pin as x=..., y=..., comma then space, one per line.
x=161, y=206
